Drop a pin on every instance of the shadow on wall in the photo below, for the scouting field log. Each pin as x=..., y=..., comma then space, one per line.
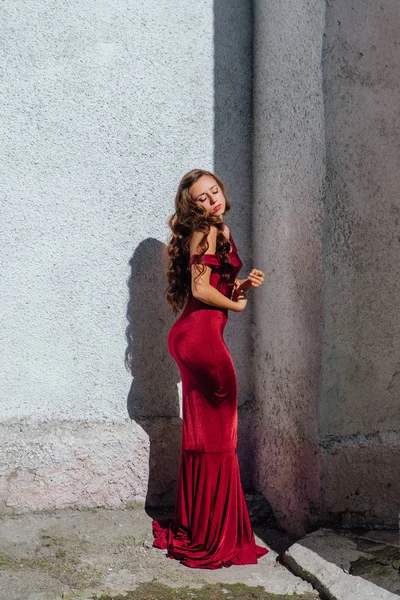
x=153, y=400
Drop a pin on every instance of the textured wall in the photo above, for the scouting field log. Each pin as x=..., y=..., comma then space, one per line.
x=326, y=231
x=288, y=178
x=232, y=156
x=359, y=417
x=105, y=105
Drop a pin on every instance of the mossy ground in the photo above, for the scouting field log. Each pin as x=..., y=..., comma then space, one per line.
x=50, y=556
x=218, y=591
x=77, y=554
x=382, y=561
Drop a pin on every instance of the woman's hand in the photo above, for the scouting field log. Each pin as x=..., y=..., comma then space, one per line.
x=239, y=297
x=254, y=280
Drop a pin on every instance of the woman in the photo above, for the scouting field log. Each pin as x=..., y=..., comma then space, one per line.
x=211, y=527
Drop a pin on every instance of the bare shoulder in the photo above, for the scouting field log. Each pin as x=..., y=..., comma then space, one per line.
x=211, y=238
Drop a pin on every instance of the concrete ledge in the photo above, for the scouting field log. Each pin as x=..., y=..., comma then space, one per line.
x=359, y=476
x=60, y=464
x=325, y=557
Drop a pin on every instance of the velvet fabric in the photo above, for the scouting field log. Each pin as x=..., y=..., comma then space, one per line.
x=211, y=526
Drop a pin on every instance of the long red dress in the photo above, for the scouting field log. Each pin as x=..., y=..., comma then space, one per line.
x=211, y=526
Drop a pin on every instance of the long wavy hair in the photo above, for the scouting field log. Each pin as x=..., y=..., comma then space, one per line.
x=187, y=218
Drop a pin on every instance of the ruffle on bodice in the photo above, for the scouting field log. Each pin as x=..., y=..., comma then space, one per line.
x=210, y=260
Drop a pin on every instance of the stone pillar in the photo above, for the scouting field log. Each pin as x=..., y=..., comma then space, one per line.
x=288, y=176
x=359, y=417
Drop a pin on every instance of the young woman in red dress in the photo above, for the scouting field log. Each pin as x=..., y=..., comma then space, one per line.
x=211, y=527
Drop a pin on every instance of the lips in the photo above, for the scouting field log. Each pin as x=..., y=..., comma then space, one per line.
x=217, y=207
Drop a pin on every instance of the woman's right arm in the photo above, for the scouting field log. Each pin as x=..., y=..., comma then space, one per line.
x=201, y=287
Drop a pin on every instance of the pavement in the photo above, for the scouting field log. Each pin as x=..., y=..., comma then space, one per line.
x=102, y=553
x=349, y=564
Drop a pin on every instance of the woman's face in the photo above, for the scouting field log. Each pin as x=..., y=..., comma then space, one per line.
x=207, y=193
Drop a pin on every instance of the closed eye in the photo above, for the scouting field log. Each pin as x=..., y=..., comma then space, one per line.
x=214, y=192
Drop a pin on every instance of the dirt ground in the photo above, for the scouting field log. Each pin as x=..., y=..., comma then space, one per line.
x=100, y=553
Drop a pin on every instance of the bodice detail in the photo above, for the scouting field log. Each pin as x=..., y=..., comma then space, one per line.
x=213, y=261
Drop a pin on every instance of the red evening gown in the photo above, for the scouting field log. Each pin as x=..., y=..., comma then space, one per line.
x=211, y=526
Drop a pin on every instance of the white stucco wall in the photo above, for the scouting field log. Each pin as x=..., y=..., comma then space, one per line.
x=105, y=105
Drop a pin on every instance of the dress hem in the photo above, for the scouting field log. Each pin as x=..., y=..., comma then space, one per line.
x=247, y=555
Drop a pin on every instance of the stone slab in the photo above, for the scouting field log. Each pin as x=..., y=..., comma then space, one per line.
x=330, y=560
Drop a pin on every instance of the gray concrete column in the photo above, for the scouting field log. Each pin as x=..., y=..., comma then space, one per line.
x=288, y=172
x=359, y=417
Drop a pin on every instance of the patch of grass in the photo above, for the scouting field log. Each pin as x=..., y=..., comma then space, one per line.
x=217, y=591
x=66, y=568
x=381, y=561
x=44, y=564
x=127, y=541
x=49, y=540
x=134, y=504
